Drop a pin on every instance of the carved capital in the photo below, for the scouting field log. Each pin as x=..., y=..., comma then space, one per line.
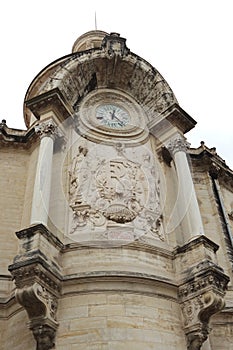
x=47, y=129
x=177, y=144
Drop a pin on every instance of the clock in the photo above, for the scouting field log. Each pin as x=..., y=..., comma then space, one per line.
x=112, y=116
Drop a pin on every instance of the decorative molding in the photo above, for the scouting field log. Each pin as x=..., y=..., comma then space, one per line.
x=41, y=307
x=25, y=275
x=210, y=277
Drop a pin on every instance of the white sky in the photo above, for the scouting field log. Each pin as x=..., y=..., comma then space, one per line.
x=188, y=42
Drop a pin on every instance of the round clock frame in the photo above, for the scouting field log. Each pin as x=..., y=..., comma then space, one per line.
x=110, y=115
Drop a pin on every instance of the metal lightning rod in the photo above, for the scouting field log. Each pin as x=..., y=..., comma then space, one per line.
x=95, y=21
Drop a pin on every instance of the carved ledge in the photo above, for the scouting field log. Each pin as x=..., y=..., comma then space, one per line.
x=36, y=273
x=27, y=273
x=37, y=290
x=201, y=296
x=39, y=303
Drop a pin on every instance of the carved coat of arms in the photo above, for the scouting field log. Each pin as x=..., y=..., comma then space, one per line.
x=112, y=186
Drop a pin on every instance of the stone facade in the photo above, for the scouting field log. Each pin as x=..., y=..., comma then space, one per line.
x=115, y=234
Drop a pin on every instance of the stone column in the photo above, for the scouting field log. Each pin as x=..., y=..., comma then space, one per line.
x=47, y=131
x=187, y=205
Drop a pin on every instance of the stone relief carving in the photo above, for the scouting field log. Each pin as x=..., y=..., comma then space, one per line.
x=118, y=183
x=114, y=184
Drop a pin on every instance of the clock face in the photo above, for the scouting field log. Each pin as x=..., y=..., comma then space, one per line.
x=112, y=116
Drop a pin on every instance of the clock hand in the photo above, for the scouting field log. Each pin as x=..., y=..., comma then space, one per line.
x=114, y=116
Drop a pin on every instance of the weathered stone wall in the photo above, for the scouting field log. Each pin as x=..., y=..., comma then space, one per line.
x=15, y=333
x=13, y=174
x=119, y=321
x=211, y=216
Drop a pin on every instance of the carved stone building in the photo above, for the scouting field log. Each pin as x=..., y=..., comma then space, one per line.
x=115, y=234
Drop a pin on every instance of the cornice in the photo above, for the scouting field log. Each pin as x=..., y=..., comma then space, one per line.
x=136, y=245
x=200, y=240
x=40, y=228
x=9, y=136
x=207, y=160
x=175, y=116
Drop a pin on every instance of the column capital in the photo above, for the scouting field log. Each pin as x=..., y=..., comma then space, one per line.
x=47, y=129
x=177, y=144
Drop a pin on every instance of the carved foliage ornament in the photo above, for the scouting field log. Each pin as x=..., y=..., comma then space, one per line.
x=178, y=144
x=47, y=129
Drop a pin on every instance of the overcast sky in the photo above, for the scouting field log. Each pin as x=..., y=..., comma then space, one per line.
x=188, y=42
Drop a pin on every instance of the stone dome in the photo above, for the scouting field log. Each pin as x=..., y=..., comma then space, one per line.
x=90, y=40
